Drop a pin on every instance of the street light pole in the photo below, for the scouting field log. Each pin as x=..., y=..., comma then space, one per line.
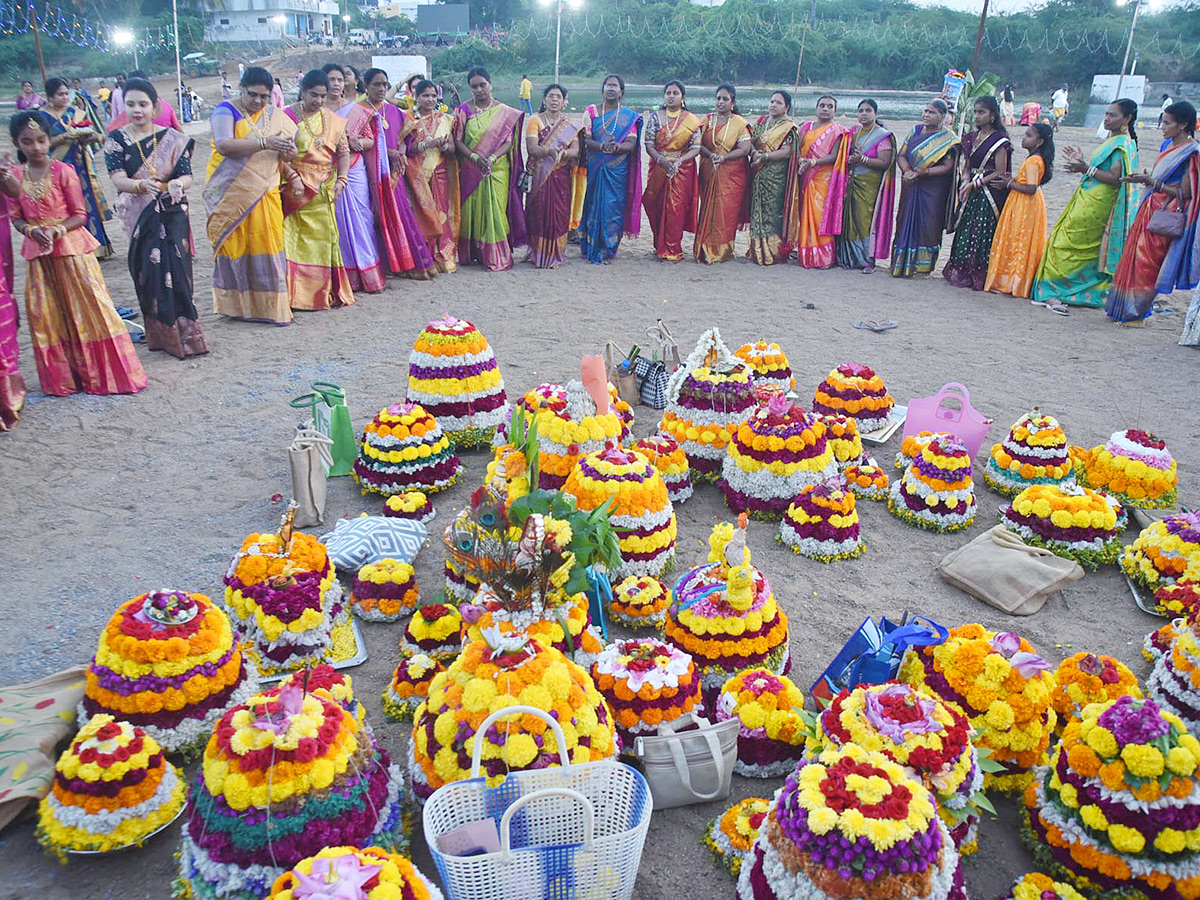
x=558, y=38
x=1137, y=6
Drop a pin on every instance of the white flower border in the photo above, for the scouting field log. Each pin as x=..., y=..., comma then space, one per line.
x=814, y=549
x=763, y=484
x=107, y=821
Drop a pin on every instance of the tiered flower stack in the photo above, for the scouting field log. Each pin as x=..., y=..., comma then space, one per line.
x=167, y=663
x=566, y=435
x=646, y=683
x=1175, y=681
x=409, y=686
x=936, y=491
x=347, y=873
x=841, y=432
x=1036, y=886
x=768, y=363
x=822, y=523
x=639, y=601
x=412, y=505
x=730, y=836
x=1135, y=466
x=434, y=629
x=672, y=463
x=912, y=445
x=1165, y=555
x=1086, y=678
x=854, y=390
x=1070, y=521
x=384, y=591
x=771, y=725
x=1035, y=452
x=404, y=449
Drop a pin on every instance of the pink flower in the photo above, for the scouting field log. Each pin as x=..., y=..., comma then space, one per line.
x=1006, y=643
x=1029, y=665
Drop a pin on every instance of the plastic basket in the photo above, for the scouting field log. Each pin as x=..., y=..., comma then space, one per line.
x=568, y=833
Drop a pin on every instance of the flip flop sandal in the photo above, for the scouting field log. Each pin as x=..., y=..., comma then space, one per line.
x=1160, y=309
x=886, y=326
x=866, y=326
x=1059, y=309
x=127, y=312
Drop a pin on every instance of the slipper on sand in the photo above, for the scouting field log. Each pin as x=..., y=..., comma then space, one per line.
x=877, y=327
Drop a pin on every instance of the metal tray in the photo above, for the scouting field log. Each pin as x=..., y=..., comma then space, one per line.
x=896, y=418
x=137, y=843
x=1144, y=600
x=359, y=657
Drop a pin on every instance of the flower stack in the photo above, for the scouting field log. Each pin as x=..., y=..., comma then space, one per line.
x=553, y=398
x=841, y=433
x=646, y=683
x=730, y=836
x=567, y=435
x=772, y=457
x=1036, y=886
x=167, y=663
x=384, y=591
x=822, y=524
x=1181, y=604
x=490, y=674
x=640, y=509
x=867, y=482
x=347, y=873
x=403, y=449
x=1175, y=681
x=1165, y=553
x=453, y=373
x=409, y=687
x=1070, y=521
x=285, y=776
x=1134, y=466
x=338, y=685
x=580, y=642
x=936, y=491
x=912, y=445
x=672, y=464
x=434, y=630
x=1087, y=678
x=412, y=505
x=854, y=390
x=1117, y=812
x=1035, y=452
x=916, y=729
x=1005, y=688
x=112, y=789
x=708, y=397
x=768, y=363
x=850, y=823
x=771, y=724
x=639, y=601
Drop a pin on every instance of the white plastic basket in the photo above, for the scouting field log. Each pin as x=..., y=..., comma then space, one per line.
x=572, y=832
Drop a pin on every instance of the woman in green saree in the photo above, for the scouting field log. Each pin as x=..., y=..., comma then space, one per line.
x=870, y=193
x=773, y=167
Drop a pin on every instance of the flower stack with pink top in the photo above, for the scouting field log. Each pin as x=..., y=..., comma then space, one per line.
x=822, y=523
x=772, y=727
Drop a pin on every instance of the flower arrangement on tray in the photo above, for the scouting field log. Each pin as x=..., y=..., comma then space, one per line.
x=768, y=363
x=409, y=686
x=585, y=424
x=384, y=591
x=646, y=682
x=1086, y=678
x=672, y=463
x=1117, y=812
x=730, y=836
x=854, y=390
x=772, y=456
x=404, y=449
x=1035, y=452
x=284, y=776
x=850, y=823
x=553, y=397
x=1070, y=521
x=435, y=629
x=822, y=523
x=868, y=482
x=413, y=505
x=1181, y=604
x=912, y=445
x=639, y=601
x=1135, y=466
x=841, y=433
x=347, y=873
x=936, y=491
x=929, y=736
x=167, y=663
x=772, y=725
x=1002, y=685
x=1175, y=681
x=112, y=789
x=1036, y=886
x=453, y=373
x=1165, y=553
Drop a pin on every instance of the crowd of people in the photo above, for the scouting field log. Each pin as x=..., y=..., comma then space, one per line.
x=313, y=202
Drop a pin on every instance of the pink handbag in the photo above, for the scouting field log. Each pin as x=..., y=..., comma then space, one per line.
x=933, y=414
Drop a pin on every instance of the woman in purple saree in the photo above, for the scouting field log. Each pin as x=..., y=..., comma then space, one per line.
x=552, y=144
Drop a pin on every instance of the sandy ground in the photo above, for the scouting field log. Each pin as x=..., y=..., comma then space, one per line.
x=106, y=497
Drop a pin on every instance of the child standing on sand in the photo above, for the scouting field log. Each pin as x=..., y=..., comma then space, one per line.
x=1021, y=233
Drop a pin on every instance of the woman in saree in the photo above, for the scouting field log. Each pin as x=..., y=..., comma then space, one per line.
x=821, y=170
x=1021, y=234
x=493, y=220
x=672, y=143
x=151, y=168
x=71, y=141
x=79, y=341
x=398, y=236
x=926, y=161
x=1153, y=263
x=29, y=98
x=724, y=179
x=552, y=146
x=867, y=217
x=612, y=198
x=1086, y=242
x=352, y=209
x=432, y=174
x=773, y=185
x=315, y=274
x=251, y=144
x=350, y=90
x=334, y=100
x=12, y=384
x=986, y=170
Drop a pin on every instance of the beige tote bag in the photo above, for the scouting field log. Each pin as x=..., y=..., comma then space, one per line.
x=309, y=458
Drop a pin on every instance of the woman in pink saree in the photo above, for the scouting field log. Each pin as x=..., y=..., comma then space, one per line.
x=432, y=174
x=822, y=172
x=552, y=144
x=355, y=219
x=870, y=193
x=12, y=385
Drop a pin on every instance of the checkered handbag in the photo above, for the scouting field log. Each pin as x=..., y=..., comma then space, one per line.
x=653, y=373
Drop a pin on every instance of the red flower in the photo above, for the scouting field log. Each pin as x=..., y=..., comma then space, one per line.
x=757, y=819
x=108, y=731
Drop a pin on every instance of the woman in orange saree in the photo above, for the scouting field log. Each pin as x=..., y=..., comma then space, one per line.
x=672, y=143
x=552, y=146
x=822, y=173
x=432, y=174
x=724, y=179
x=773, y=164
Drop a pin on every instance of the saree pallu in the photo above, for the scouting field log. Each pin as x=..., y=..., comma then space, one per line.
x=925, y=204
x=612, y=198
x=12, y=385
x=818, y=218
x=548, y=203
x=1086, y=242
x=493, y=217
x=579, y=177
x=867, y=216
x=724, y=200
x=670, y=203
x=316, y=278
x=433, y=182
x=971, y=251
x=245, y=222
x=1020, y=236
x=355, y=220
x=773, y=184
x=77, y=157
x=1154, y=264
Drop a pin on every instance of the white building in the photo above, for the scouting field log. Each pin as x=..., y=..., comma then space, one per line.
x=269, y=20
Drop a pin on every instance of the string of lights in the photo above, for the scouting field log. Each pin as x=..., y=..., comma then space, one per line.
x=19, y=16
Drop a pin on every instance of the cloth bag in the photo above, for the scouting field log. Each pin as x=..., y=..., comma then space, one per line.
x=935, y=414
x=330, y=416
x=653, y=374
x=621, y=373
x=872, y=655
x=309, y=460
x=1003, y=571
x=688, y=766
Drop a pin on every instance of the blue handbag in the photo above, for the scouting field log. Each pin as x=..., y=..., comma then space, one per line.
x=874, y=652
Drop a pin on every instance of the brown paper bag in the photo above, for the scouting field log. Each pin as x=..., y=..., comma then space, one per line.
x=620, y=372
x=308, y=458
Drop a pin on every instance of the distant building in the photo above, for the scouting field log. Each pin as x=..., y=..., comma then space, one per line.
x=269, y=20
x=400, y=8
x=443, y=19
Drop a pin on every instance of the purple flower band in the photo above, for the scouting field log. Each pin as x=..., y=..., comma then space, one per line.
x=428, y=373
x=155, y=684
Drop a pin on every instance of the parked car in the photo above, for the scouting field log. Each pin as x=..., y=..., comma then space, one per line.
x=197, y=65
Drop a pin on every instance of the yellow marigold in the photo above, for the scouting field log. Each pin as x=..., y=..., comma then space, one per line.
x=1102, y=741
x=1126, y=839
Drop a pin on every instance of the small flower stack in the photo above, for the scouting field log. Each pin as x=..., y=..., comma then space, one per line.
x=1166, y=553
x=912, y=445
x=1134, y=466
x=434, y=630
x=841, y=432
x=730, y=836
x=768, y=363
x=672, y=463
x=403, y=449
x=1071, y=521
x=822, y=524
x=409, y=687
x=1036, y=886
x=1175, y=681
x=868, y=482
x=412, y=505
x=347, y=873
x=384, y=591
x=1086, y=678
x=1035, y=452
x=771, y=725
x=936, y=491
x=639, y=601
x=566, y=435
x=646, y=683
x=854, y=390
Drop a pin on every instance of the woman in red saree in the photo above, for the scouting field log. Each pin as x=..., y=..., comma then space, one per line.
x=724, y=179
x=12, y=385
x=672, y=143
x=432, y=174
x=552, y=144
x=822, y=173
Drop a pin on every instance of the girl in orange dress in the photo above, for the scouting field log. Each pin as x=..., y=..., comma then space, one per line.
x=1021, y=233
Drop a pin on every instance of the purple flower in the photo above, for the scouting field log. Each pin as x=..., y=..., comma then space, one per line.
x=1029, y=665
x=1006, y=643
x=1134, y=721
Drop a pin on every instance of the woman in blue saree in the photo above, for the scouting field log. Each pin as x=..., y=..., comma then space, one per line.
x=926, y=162
x=612, y=205
x=72, y=140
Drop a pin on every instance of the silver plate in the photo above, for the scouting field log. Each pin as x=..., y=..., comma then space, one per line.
x=896, y=417
x=1139, y=597
x=137, y=843
x=356, y=660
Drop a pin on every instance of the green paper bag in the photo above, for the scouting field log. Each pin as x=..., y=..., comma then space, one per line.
x=331, y=417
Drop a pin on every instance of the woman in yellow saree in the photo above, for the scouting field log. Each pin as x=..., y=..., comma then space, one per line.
x=251, y=143
x=672, y=143
x=821, y=169
x=724, y=179
x=432, y=174
x=773, y=165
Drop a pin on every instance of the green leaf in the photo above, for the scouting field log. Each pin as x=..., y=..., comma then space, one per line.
x=980, y=799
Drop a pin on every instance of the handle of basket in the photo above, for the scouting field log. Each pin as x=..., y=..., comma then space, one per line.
x=477, y=751
x=589, y=820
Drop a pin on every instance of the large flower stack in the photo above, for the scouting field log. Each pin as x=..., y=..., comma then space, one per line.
x=854, y=390
x=772, y=727
x=1117, y=812
x=768, y=363
x=404, y=449
x=916, y=729
x=453, y=373
x=773, y=456
x=1165, y=553
x=409, y=687
x=639, y=508
x=285, y=776
x=822, y=523
x=1071, y=521
x=730, y=836
x=112, y=789
x=384, y=591
x=167, y=663
x=347, y=873
x=1035, y=452
x=708, y=397
x=1086, y=678
x=936, y=491
x=672, y=463
x=639, y=601
x=850, y=823
x=1134, y=466
x=1005, y=688
x=583, y=425
x=646, y=683
x=1175, y=681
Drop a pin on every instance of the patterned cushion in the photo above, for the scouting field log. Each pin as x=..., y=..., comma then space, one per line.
x=354, y=543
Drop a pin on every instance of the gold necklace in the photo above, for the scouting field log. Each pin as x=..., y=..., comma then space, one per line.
x=258, y=132
x=37, y=188
x=146, y=164
x=317, y=136
x=719, y=137
x=378, y=111
x=673, y=123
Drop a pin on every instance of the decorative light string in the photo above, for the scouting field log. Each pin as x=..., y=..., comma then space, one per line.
x=18, y=16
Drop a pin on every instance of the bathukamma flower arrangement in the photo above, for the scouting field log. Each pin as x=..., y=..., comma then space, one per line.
x=646, y=683
x=1117, y=811
x=347, y=873
x=384, y=591
x=1086, y=678
x=409, y=686
x=1034, y=452
x=404, y=449
x=768, y=363
x=822, y=523
x=936, y=491
x=412, y=505
x=639, y=601
x=1134, y=466
x=867, y=481
x=586, y=423
x=434, y=630
x=1165, y=553
x=841, y=433
x=1175, y=681
x=1181, y=604
x=672, y=463
x=1070, y=521
x=854, y=390
x=1036, y=886
x=912, y=445
x=730, y=836
x=772, y=727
